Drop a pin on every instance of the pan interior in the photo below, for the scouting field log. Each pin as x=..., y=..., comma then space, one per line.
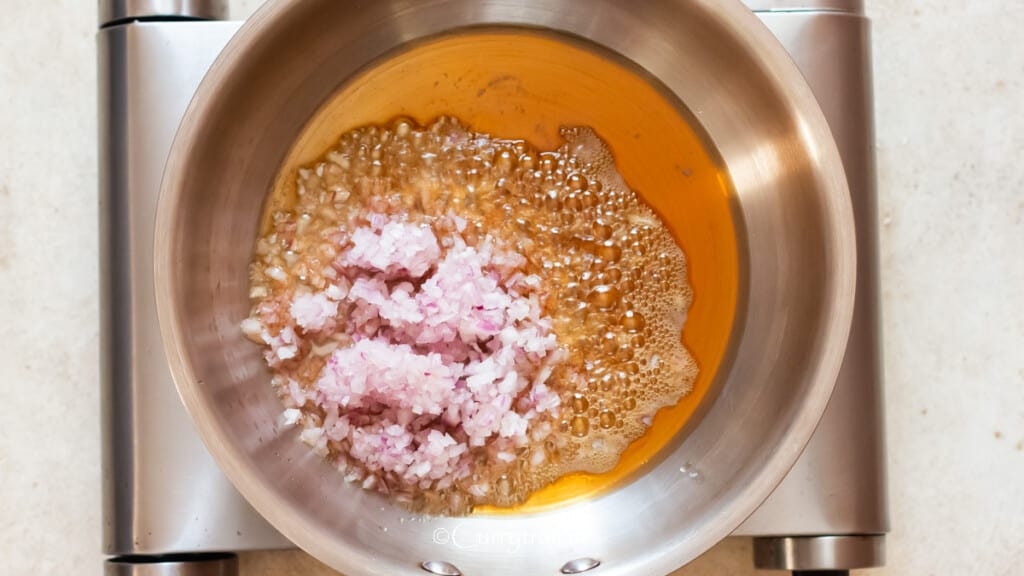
x=524, y=84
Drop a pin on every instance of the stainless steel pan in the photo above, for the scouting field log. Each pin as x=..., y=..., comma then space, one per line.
x=797, y=281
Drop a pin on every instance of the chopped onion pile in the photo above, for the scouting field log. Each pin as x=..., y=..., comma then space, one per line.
x=437, y=355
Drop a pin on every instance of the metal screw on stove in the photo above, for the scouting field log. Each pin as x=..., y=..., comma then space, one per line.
x=440, y=567
x=580, y=565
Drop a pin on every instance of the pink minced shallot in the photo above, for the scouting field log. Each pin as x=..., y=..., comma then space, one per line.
x=446, y=350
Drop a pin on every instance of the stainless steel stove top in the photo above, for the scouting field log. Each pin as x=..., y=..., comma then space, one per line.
x=165, y=500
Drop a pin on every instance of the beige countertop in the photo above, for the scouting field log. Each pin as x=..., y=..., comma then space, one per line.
x=950, y=120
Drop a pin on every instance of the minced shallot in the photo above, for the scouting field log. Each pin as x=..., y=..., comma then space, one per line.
x=447, y=351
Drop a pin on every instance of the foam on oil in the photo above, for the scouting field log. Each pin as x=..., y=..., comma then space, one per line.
x=526, y=85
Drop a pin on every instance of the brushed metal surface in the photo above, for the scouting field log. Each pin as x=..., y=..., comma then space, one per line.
x=182, y=565
x=838, y=486
x=848, y=6
x=117, y=10
x=162, y=491
x=819, y=552
x=440, y=568
x=791, y=195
